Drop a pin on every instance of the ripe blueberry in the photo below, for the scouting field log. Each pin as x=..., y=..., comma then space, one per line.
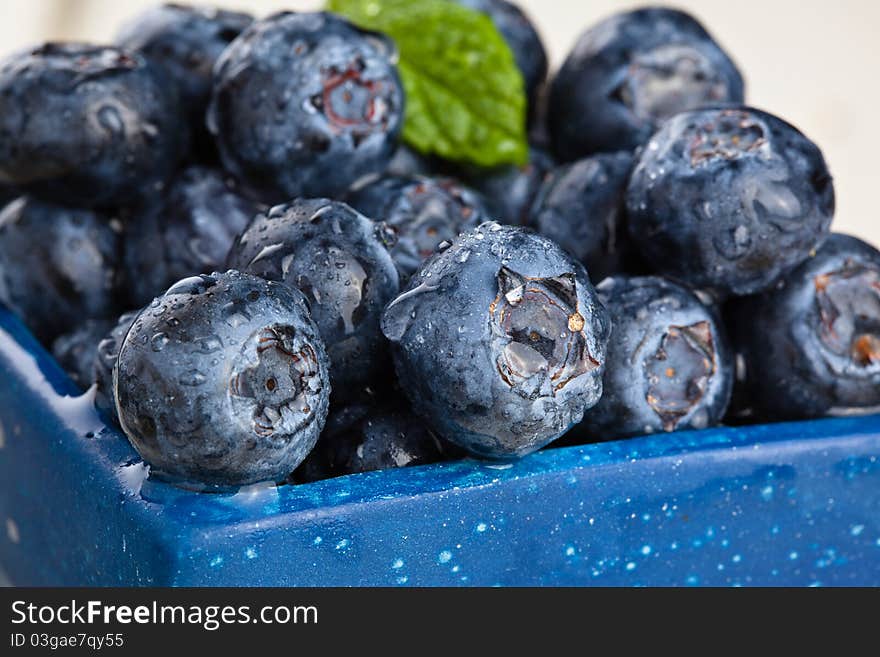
x=104, y=362
x=86, y=125
x=408, y=162
x=58, y=266
x=305, y=104
x=393, y=438
x=422, y=212
x=75, y=351
x=185, y=232
x=338, y=259
x=186, y=41
x=386, y=436
x=729, y=199
x=580, y=206
x=669, y=366
x=510, y=190
x=223, y=381
x=810, y=346
x=628, y=74
x=499, y=341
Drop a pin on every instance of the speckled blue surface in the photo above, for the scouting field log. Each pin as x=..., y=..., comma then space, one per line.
x=786, y=504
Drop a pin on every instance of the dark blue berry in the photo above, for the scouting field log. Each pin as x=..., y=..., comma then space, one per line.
x=58, y=266
x=187, y=231
x=810, y=346
x=729, y=199
x=392, y=437
x=628, y=74
x=422, y=211
x=510, y=190
x=223, y=381
x=408, y=162
x=388, y=435
x=186, y=41
x=104, y=362
x=306, y=104
x=336, y=442
x=669, y=366
x=339, y=260
x=75, y=351
x=499, y=341
x=86, y=125
x=581, y=207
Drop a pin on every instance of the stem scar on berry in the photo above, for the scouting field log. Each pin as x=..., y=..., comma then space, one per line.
x=848, y=300
x=541, y=344
x=283, y=403
x=672, y=392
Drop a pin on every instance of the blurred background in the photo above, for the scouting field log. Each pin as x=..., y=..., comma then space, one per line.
x=812, y=62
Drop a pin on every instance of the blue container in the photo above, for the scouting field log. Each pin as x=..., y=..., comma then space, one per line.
x=783, y=504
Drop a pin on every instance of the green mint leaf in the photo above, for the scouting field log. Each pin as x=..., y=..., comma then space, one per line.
x=465, y=95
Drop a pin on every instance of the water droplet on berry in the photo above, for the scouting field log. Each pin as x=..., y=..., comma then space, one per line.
x=158, y=341
x=192, y=378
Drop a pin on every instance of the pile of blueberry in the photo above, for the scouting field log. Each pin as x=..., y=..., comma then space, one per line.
x=215, y=224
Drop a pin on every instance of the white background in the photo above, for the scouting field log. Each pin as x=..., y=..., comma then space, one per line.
x=816, y=64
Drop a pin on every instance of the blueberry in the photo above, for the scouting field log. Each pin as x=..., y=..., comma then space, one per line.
x=336, y=443
x=729, y=199
x=186, y=41
x=810, y=346
x=323, y=462
x=223, y=381
x=510, y=190
x=75, y=351
x=86, y=125
x=343, y=418
x=499, y=341
x=58, y=266
x=408, y=162
x=581, y=207
x=422, y=211
x=187, y=231
x=104, y=362
x=386, y=436
x=392, y=437
x=305, y=104
x=669, y=365
x=339, y=260
x=629, y=73
x=522, y=38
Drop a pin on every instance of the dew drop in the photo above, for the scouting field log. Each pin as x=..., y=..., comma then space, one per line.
x=192, y=378
x=158, y=341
